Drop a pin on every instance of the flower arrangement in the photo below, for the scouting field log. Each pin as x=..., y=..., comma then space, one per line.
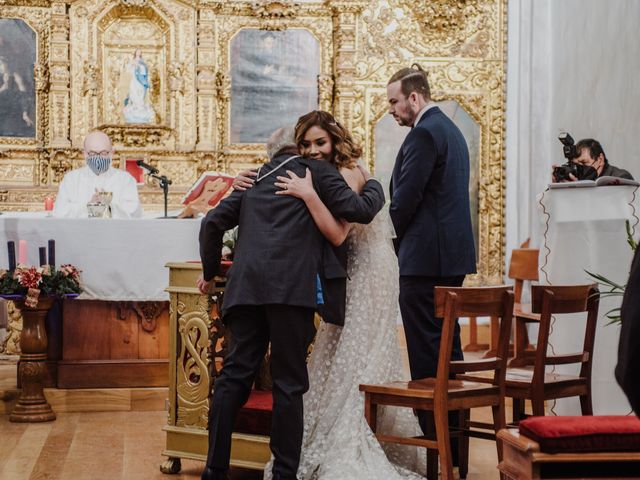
x=32, y=282
x=22, y=280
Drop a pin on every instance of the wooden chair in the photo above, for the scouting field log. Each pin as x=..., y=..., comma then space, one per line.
x=442, y=394
x=533, y=382
x=523, y=266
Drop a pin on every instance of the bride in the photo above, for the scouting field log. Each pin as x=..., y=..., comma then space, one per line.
x=337, y=441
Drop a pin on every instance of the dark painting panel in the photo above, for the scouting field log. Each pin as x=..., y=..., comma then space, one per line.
x=17, y=89
x=274, y=80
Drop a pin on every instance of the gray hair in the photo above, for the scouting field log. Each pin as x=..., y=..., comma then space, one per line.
x=283, y=137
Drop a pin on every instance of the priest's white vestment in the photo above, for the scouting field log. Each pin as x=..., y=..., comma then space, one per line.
x=78, y=186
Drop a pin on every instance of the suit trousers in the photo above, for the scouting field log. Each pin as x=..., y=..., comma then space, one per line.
x=423, y=330
x=290, y=331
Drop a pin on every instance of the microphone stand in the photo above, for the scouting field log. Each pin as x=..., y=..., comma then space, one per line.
x=164, y=184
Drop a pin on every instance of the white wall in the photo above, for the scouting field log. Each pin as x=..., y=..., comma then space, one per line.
x=572, y=66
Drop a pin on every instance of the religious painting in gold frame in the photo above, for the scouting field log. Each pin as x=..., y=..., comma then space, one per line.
x=310, y=25
x=20, y=158
x=17, y=87
x=274, y=80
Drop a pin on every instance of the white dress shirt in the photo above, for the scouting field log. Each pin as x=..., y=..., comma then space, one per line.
x=428, y=106
x=78, y=186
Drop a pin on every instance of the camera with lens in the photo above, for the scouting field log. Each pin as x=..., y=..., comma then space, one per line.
x=570, y=152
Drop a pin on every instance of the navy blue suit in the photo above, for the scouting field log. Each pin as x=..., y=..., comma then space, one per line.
x=432, y=219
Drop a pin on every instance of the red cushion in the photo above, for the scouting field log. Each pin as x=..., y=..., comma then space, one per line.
x=255, y=417
x=584, y=434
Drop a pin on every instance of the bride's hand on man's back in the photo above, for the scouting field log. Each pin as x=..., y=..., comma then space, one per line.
x=244, y=180
x=299, y=187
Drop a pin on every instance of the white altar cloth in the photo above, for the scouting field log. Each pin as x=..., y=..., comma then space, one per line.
x=120, y=259
x=586, y=232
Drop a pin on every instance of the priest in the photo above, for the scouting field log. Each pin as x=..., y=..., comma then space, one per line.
x=84, y=185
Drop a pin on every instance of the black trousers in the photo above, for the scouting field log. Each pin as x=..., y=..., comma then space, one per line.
x=423, y=331
x=290, y=331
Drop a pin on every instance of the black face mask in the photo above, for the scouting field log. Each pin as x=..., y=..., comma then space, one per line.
x=586, y=172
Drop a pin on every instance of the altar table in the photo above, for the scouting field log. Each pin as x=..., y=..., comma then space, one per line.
x=120, y=259
x=116, y=334
x=584, y=230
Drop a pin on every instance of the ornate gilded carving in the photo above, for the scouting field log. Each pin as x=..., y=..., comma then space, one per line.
x=41, y=77
x=176, y=82
x=82, y=46
x=141, y=136
x=134, y=3
x=11, y=343
x=275, y=10
x=91, y=82
x=192, y=385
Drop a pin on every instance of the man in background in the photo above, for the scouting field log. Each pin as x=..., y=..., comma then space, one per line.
x=592, y=163
x=84, y=185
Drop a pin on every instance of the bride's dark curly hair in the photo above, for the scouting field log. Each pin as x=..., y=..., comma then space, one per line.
x=345, y=151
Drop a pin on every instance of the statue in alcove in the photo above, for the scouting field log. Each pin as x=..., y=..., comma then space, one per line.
x=135, y=82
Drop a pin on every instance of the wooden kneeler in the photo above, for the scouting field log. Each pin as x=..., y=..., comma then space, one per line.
x=572, y=447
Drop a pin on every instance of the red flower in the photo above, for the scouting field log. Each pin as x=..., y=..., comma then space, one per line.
x=28, y=277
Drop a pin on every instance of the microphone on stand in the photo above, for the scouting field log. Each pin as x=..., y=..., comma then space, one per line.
x=147, y=167
x=162, y=179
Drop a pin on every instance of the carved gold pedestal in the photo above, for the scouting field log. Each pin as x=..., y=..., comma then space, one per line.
x=196, y=349
x=32, y=406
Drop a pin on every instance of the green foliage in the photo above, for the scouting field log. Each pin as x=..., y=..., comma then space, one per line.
x=609, y=288
x=54, y=283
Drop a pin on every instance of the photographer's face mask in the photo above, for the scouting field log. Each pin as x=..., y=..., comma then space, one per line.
x=98, y=163
x=587, y=172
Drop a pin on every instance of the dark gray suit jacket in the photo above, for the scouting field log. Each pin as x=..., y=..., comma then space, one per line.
x=279, y=249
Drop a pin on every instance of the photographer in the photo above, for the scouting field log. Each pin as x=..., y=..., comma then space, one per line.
x=586, y=161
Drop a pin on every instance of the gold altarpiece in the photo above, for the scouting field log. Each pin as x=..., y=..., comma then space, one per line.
x=82, y=48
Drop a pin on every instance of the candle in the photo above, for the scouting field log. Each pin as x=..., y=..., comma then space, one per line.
x=22, y=252
x=43, y=255
x=48, y=204
x=11, y=247
x=52, y=253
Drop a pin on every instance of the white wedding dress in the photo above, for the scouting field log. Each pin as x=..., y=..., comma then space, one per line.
x=337, y=442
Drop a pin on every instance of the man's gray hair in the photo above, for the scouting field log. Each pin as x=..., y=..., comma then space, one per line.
x=284, y=137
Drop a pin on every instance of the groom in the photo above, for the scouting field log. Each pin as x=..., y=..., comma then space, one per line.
x=431, y=215
x=271, y=295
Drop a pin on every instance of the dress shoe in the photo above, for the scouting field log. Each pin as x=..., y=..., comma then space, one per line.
x=213, y=474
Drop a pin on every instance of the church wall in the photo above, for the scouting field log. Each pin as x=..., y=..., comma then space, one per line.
x=571, y=67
